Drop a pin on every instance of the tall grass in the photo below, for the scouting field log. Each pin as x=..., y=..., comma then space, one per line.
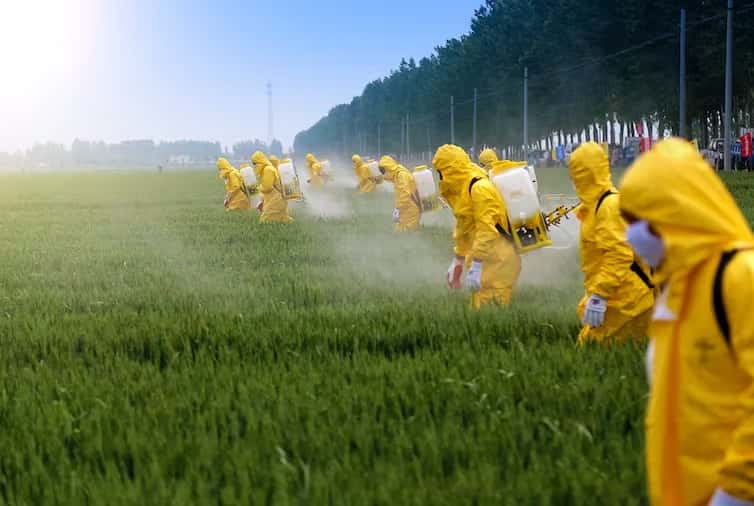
x=158, y=351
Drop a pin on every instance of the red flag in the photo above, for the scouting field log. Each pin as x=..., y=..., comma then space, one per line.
x=746, y=146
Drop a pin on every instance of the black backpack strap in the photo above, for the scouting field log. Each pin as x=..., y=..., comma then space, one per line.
x=636, y=269
x=718, y=301
x=506, y=235
x=501, y=230
x=602, y=199
x=417, y=202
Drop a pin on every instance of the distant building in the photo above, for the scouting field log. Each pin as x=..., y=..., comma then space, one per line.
x=180, y=159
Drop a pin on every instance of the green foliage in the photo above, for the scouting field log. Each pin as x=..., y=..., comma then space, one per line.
x=580, y=76
x=159, y=351
x=276, y=148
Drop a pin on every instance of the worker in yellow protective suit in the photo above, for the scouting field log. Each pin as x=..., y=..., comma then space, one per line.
x=700, y=419
x=236, y=196
x=406, y=211
x=274, y=206
x=619, y=293
x=486, y=158
x=366, y=180
x=275, y=161
x=315, y=171
x=482, y=236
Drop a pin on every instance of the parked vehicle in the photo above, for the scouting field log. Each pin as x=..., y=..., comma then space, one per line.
x=714, y=154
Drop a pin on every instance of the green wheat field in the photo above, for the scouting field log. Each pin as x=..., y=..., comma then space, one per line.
x=158, y=351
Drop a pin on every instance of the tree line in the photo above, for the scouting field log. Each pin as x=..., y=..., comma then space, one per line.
x=594, y=67
x=131, y=153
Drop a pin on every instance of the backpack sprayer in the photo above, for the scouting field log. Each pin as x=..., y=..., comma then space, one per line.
x=249, y=178
x=374, y=171
x=325, y=172
x=528, y=225
x=289, y=181
x=427, y=192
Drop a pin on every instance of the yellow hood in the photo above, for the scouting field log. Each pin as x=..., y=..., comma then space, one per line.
x=682, y=198
x=590, y=173
x=311, y=159
x=455, y=167
x=391, y=167
x=260, y=161
x=259, y=158
x=357, y=161
x=487, y=158
x=223, y=167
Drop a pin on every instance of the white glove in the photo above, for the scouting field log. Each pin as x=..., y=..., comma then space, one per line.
x=474, y=277
x=721, y=498
x=594, y=313
x=454, y=273
x=396, y=215
x=650, y=360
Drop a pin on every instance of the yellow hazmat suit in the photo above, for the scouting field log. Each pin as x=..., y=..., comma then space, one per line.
x=486, y=158
x=315, y=171
x=608, y=263
x=481, y=232
x=236, y=198
x=366, y=181
x=700, y=421
x=274, y=206
x=407, y=212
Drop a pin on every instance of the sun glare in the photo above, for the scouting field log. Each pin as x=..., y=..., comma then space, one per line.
x=40, y=45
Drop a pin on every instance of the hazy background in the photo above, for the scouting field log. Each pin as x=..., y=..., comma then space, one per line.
x=165, y=70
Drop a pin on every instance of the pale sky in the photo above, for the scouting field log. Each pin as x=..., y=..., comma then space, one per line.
x=179, y=69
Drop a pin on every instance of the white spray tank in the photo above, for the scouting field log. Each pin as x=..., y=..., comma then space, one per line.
x=290, y=185
x=250, y=179
x=324, y=169
x=507, y=165
x=426, y=189
x=527, y=225
x=374, y=171
x=519, y=195
x=533, y=177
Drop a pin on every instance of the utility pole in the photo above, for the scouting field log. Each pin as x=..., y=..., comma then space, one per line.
x=379, y=139
x=408, y=135
x=429, y=143
x=269, y=115
x=452, y=120
x=728, y=87
x=403, y=136
x=682, y=85
x=526, y=113
x=473, y=134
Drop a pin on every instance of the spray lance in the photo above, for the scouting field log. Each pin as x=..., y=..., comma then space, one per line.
x=554, y=217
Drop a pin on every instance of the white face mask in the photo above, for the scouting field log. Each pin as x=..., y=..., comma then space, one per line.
x=647, y=245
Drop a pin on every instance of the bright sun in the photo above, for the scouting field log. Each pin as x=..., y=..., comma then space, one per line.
x=40, y=43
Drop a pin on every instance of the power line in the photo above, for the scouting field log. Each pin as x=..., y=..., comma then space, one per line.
x=542, y=78
x=624, y=51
